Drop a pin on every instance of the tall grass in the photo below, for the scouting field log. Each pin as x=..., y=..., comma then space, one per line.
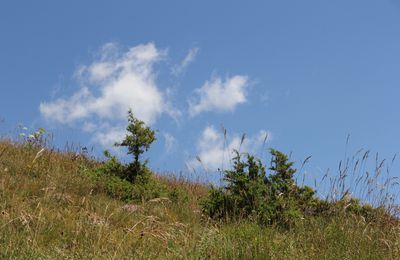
x=365, y=177
x=50, y=208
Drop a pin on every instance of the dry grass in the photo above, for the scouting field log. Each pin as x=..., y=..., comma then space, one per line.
x=49, y=209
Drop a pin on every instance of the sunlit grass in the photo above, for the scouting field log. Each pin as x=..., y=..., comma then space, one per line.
x=51, y=209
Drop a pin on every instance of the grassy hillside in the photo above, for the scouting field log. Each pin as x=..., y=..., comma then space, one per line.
x=57, y=205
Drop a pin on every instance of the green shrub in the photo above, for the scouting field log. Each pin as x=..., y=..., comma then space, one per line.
x=147, y=188
x=218, y=204
x=275, y=199
x=104, y=181
x=119, y=188
x=132, y=181
x=109, y=178
x=250, y=193
x=113, y=166
x=178, y=195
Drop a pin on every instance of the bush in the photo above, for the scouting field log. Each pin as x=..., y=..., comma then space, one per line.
x=250, y=193
x=275, y=199
x=132, y=181
x=104, y=181
x=147, y=188
x=178, y=195
x=119, y=188
x=110, y=178
x=113, y=166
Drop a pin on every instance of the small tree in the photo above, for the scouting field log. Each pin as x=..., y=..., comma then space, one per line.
x=138, y=141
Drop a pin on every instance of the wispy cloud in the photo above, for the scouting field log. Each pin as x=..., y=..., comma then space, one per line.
x=189, y=58
x=219, y=95
x=110, y=85
x=170, y=142
x=215, y=149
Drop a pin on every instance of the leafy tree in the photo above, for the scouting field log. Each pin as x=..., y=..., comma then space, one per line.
x=138, y=140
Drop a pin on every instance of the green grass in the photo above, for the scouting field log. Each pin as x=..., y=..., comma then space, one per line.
x=50, y=208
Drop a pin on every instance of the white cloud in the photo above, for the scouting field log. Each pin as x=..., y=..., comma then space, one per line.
x=113, y=83
x=216, y=149
x=170, y=142
x=108, y=136
x=219, y=95
x=189, y=58
x=65, y=111
x=122, y=81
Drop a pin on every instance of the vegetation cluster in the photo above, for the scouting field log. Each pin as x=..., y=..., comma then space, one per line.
x=66, y=204
x=273, y=199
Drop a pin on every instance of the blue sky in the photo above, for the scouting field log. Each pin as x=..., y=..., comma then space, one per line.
x=308, y=73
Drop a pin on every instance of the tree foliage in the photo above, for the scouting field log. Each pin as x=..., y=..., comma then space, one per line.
x=137, y=140
x=251, y=193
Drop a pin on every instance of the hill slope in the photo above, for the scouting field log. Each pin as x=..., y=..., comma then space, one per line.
x=53, y=206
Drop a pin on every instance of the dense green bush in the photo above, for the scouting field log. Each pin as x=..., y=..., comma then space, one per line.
x=251, y=193
x=110, y=178
x=274, y=199
x=113, y=186
x=113, y=166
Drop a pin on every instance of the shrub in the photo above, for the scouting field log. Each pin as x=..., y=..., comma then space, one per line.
x=178, y=195
x=250, y=193
x=104, y=181
x=110, y=178
x=119, y=188
x=135, y=180
x=113, y=166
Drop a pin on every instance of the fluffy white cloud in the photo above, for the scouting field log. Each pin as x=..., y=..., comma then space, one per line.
x=189, y=58
x=216, y=149
x=118, y=81
x=113, y=83
x=219, y=95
